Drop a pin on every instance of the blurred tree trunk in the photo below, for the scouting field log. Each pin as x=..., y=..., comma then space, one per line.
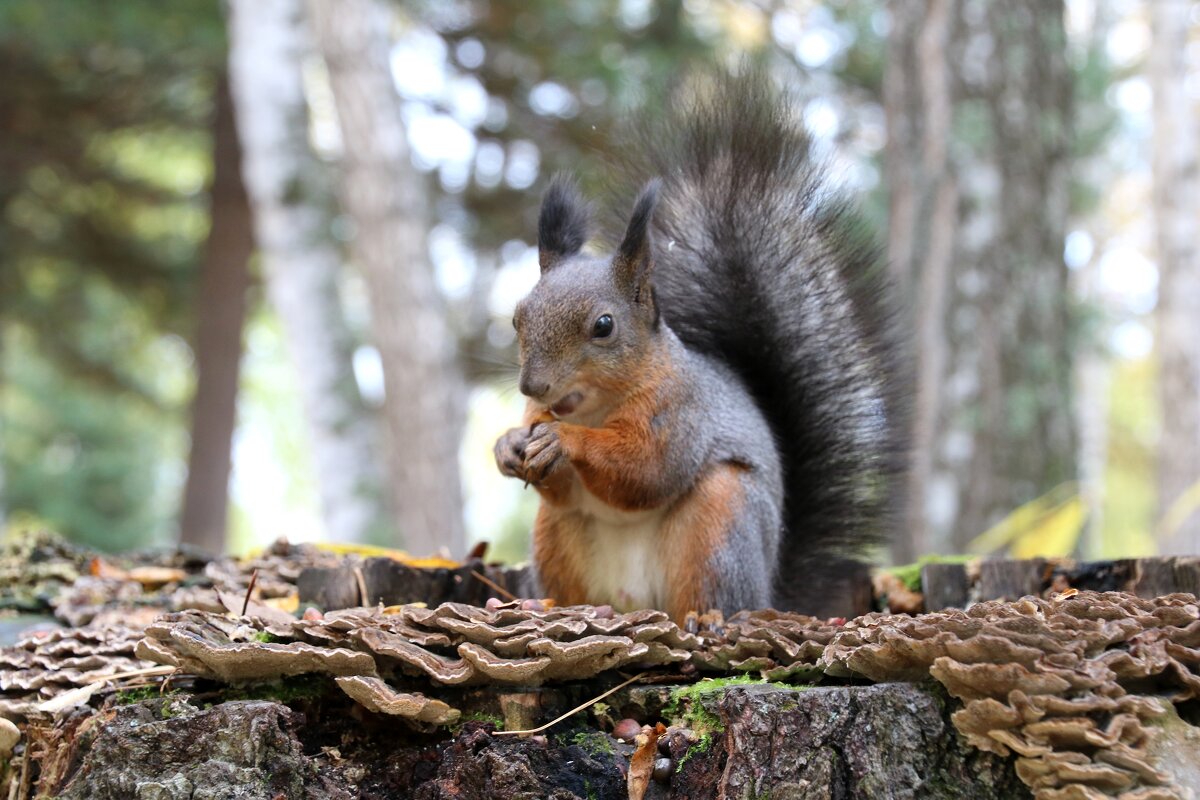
x=3, y=380
x=978, y=101
x=1093, y=362
x=224, y=279
x=1176, y=204
x=268, y=42
x=387, y=199
x=923, y=214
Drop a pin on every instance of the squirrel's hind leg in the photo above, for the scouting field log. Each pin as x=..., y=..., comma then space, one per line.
x=721, y=538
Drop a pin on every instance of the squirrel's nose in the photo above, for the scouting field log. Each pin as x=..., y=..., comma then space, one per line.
x=531, y=387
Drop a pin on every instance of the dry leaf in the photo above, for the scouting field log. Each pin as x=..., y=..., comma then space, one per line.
x=371, y=551
x=99, y=568
x=289, y=603
x=156, y=576
x=641, y=766
x=76, y=697
x=254, y=608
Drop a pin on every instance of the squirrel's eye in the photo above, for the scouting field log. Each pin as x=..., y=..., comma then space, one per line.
x=603, y=327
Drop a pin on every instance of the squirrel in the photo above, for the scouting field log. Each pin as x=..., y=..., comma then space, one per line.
x=714, y=415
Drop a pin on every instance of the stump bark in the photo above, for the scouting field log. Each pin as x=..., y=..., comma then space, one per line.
x=890, y=741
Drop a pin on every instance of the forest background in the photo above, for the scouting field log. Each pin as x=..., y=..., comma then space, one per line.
x=258, y=258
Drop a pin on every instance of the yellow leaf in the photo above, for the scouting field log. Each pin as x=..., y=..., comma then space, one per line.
x=1181, y=508
x=1055, y=534
x=289, y=603
x=1049, y=525
x=371, y=551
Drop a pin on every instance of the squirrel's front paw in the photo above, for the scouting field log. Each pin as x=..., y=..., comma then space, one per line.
x=542, y=452
x=510, y=452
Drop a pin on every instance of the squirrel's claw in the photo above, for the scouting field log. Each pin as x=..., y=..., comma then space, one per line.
x=542, y=453
x=510, y=453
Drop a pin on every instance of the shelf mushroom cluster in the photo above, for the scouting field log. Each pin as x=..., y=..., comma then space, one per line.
x=1073, y=687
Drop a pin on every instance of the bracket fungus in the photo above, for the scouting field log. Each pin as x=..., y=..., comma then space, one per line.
x=374, y=694
x=49, y=665
x=1073, y=689
x=451, y=645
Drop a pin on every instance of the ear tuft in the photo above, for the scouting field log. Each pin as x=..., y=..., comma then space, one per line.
x=637, y=233
x=562, y=222
x=634, y=260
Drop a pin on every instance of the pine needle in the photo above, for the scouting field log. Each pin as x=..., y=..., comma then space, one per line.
x=575, y=710
x=495, y=587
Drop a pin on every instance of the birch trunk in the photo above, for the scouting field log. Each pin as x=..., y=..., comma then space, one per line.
x=268, y=42
x=1176, y=204
x=224, y=279
x=386, y=197
x=978, y=99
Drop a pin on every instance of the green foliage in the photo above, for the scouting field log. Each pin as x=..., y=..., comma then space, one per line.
x=614, y=63
x=85, y=462
x=102, y=213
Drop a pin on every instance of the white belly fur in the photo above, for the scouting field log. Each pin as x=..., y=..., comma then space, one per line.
x=626, y=567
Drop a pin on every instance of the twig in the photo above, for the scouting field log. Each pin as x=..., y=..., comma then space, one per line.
x=125, y=687
x=576, y=710
x=495, y=587
x=362, y=585
x=26, y=773
x=149, y=672
x=249, y=589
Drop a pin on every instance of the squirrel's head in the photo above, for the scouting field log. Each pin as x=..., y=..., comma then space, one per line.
x=590, y=320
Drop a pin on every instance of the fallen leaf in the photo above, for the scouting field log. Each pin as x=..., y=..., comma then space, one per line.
x=641, y=766
x=371, y=551
x=156, y=576
x=397, y=609
x=289, y=603
x=99, y=568
x=233, y=603
x=76, y=697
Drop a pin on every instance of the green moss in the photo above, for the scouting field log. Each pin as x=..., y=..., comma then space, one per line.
x=495, y=721
x=130, y=696
x=267, y=638
x=686, y=706
x=591, y=742
x=167, y=710
x=602, y=713
x=700, y=747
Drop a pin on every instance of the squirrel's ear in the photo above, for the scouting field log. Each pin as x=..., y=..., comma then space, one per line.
x=634, y=260
x=562, y=223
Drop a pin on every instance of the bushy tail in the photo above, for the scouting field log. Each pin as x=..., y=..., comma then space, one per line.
x=758, y=264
